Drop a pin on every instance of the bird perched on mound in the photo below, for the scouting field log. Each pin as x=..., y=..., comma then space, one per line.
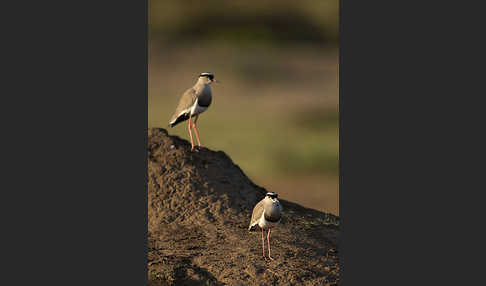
x=266, y=214
x=193, y=102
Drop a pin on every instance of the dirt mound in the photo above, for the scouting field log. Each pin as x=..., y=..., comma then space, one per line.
x=199, y=207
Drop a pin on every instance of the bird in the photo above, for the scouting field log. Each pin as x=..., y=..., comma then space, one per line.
x=193, y=102
x=267, y=213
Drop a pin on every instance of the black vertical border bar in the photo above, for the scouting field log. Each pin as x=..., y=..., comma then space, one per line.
x=403, y=210
x=74, y=102
x=144, y=169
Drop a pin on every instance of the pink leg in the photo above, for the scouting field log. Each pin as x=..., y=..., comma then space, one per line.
x=263, y=243
x=190, y=133
x=268, y=239
x=195, y=130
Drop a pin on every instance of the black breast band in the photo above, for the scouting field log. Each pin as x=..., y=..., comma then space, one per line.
x=272, y=219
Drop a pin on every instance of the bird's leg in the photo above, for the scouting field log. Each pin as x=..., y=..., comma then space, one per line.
x=263, y=243
x=268, y=239
x=190, y=132
x=195, y=130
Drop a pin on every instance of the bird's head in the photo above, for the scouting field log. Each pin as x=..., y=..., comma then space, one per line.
x=272, y=196
x=207, y=78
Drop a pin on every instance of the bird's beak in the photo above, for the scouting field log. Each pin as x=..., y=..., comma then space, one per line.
x=216, y=81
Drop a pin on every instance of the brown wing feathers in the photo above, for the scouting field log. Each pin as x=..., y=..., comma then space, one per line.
x=257, y=213
x=186, y=101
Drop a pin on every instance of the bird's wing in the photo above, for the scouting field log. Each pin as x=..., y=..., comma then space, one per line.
x=256, y=215
x=185, y=103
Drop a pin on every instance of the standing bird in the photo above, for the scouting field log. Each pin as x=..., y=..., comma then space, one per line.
x=266, y=214
x=194, y=102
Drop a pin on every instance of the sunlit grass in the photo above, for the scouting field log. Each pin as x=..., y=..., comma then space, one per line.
x=262, y=142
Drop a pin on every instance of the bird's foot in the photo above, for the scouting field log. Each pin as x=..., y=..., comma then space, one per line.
x=270, y=258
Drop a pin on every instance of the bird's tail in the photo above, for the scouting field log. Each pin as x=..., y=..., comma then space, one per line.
x=177, y=120
x=172, y=122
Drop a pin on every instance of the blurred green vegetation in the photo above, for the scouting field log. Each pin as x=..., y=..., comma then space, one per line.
x=239, y=21
x=275, y=112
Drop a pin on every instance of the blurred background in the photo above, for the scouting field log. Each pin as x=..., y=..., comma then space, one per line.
x=275, y=112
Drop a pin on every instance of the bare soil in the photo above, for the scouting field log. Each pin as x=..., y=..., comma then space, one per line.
x=199, y=207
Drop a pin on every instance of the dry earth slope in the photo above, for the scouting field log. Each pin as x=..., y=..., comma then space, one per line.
x=199, y=207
